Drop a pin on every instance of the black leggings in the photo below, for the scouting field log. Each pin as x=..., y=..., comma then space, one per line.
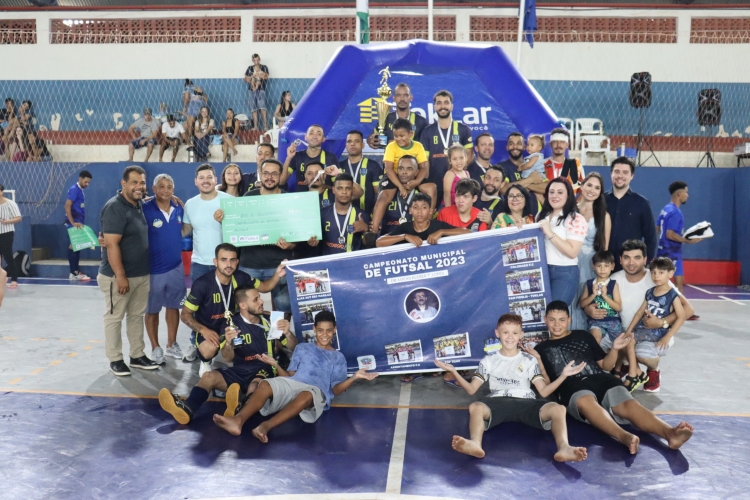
x=6, y=250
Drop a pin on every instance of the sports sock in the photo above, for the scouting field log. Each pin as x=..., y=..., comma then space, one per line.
x=197, y=397
x=73, y=261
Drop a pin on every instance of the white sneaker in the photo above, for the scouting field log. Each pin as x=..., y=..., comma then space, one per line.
x=204, y=368
x=174, y=351
x=191, y=354
x=157, y=356
x=78, y=277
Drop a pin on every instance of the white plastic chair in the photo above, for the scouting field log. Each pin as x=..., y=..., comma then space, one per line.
x=599, y=144
x=587, y=126
x=273, y=135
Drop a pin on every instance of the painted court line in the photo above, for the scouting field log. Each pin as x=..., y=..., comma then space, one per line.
x=731, y=300
x=398, y=449
x=717, y=293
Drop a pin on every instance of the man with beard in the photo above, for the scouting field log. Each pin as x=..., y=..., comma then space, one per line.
x=485, y=146
x=124, y=272
x=402, y=97
x=212, y=296
x=264, y=152
x=342, y=223
x=440, y=136
x=558, y=165
x=423, y=311
x=534, y=183
x=296, y=162
x=365, y=172
x=671, y=224
x=630, y=212
x=392, y=213
x=489, y=201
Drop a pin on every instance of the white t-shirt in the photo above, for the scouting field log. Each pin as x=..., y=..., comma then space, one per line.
x=207, y=235
x=632, y=295
x=170, y=132
x=574, y=228
x=509, y=377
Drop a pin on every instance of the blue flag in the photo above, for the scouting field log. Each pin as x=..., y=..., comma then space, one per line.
x=529, y=21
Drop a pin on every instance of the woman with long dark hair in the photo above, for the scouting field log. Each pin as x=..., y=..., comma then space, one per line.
x=564, y=231
x=516, y=209
x=202, y=131
x=284, y=108
x=230, y=129
x=592, y=205
x=231, y=180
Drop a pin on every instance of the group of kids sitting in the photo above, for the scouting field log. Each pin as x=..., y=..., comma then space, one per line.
x=575, y=367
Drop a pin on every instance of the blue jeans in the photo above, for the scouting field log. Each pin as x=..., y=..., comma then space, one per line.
x=279, y=294
x=563, y=283
x=196, y=271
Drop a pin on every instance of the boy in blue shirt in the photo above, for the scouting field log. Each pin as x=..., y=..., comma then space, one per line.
x=671, y=224
x=75, y=214
x=316, y=373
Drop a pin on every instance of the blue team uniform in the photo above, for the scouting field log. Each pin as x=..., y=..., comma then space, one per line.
x=331, y=243
x=164, y=237
x=671, y=218
x=78, y=208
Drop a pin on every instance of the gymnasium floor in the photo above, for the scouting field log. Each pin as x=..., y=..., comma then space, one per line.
x=70, y=429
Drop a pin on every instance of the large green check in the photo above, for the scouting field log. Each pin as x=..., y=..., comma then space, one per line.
x=262, y=220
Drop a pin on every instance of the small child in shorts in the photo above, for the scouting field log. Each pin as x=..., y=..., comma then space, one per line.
x=605, y=293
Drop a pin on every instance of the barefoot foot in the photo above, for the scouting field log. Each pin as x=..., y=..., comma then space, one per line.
x=631, y=441
x=230, y=424
x=260, y=433
x=571, y=454
x=467, y=447
x=679, y=435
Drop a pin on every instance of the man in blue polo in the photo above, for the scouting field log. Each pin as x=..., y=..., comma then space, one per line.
x=75, y=215
x=167, y=274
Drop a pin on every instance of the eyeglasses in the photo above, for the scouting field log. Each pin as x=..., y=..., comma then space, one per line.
x=516, y=196
x=267, y=175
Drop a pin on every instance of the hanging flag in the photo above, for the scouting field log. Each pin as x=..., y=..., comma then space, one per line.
x=529, y=21
x=363, y=15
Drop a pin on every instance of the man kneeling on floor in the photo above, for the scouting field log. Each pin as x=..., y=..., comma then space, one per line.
x=510, y=373
x=595, y=396
x=252, y=352
x=316, y=373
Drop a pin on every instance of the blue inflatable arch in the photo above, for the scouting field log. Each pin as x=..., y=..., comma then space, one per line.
x=489, y=93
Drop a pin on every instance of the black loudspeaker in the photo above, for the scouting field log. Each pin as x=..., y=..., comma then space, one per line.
x=640, y=90
x=709, y=107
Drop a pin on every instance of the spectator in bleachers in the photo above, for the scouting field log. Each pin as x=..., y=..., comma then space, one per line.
x=515, y=209
x=9, y=122
x=20, y=149
x=75, y=215
x=256, y=78
x=144, y=132
x=560, y=166
x=231, y=180
x=9, y=216
x=230, y=127
x=26, y=119
x=172, y=136
x=535, y=183
x=489, y=201
x=402, y=97
x=284, y=108
x=484, y=145
x=193, y=98
x=202, y=131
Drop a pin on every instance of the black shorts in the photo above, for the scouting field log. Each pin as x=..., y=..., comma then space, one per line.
x=243, y=375
x=525, y=411
x=199, y=339
x=598, y=384
x=385, y=183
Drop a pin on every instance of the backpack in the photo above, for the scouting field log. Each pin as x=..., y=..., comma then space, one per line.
x=23, y=263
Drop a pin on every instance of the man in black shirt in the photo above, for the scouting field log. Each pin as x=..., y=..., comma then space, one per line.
x=249, y=349
x=489, y=200
x=296, y=162
x=594, y=395
x=485, y=148
x=265, y=151
x=422, y=228
x=632, y=218
x=365, y=172
x=402, y=97
x=212, y=297
x=124, y=272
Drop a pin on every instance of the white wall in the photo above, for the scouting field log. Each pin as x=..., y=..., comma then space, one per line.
x=680, y=62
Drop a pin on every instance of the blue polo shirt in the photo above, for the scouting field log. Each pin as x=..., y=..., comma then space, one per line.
x=164, y=237
x=78, y=210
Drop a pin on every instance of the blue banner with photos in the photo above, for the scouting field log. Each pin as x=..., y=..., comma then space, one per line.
x=400, y=308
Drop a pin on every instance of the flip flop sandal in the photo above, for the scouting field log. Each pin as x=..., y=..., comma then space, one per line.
x=414, y=378
x=454, y=383
x=632, y=383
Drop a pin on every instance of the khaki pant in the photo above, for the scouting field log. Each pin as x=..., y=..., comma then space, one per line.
x=117, y=306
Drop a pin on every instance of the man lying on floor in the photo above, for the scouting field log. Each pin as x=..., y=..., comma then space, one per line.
x=315, y=375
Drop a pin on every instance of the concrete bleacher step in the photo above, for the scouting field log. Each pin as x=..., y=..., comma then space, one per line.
x=59, y=268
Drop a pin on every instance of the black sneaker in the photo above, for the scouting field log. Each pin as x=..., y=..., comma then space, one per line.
x=172, y=404
x=119, y=368
x=143, y=363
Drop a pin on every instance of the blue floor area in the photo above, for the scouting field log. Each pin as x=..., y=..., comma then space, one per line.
x=92, y=447
x=519, y=464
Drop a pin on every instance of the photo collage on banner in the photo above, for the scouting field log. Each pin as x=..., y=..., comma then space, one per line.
x=524, y=280
x=313, y=292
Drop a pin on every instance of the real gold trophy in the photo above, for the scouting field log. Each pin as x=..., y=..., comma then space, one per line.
x=383, y=106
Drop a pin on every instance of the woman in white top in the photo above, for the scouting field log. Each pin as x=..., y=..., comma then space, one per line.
x=593, y=206
x=9, y=215
x=564, y=230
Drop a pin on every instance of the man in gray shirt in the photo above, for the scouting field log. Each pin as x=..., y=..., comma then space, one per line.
x=124, y=272
x=144, y=132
